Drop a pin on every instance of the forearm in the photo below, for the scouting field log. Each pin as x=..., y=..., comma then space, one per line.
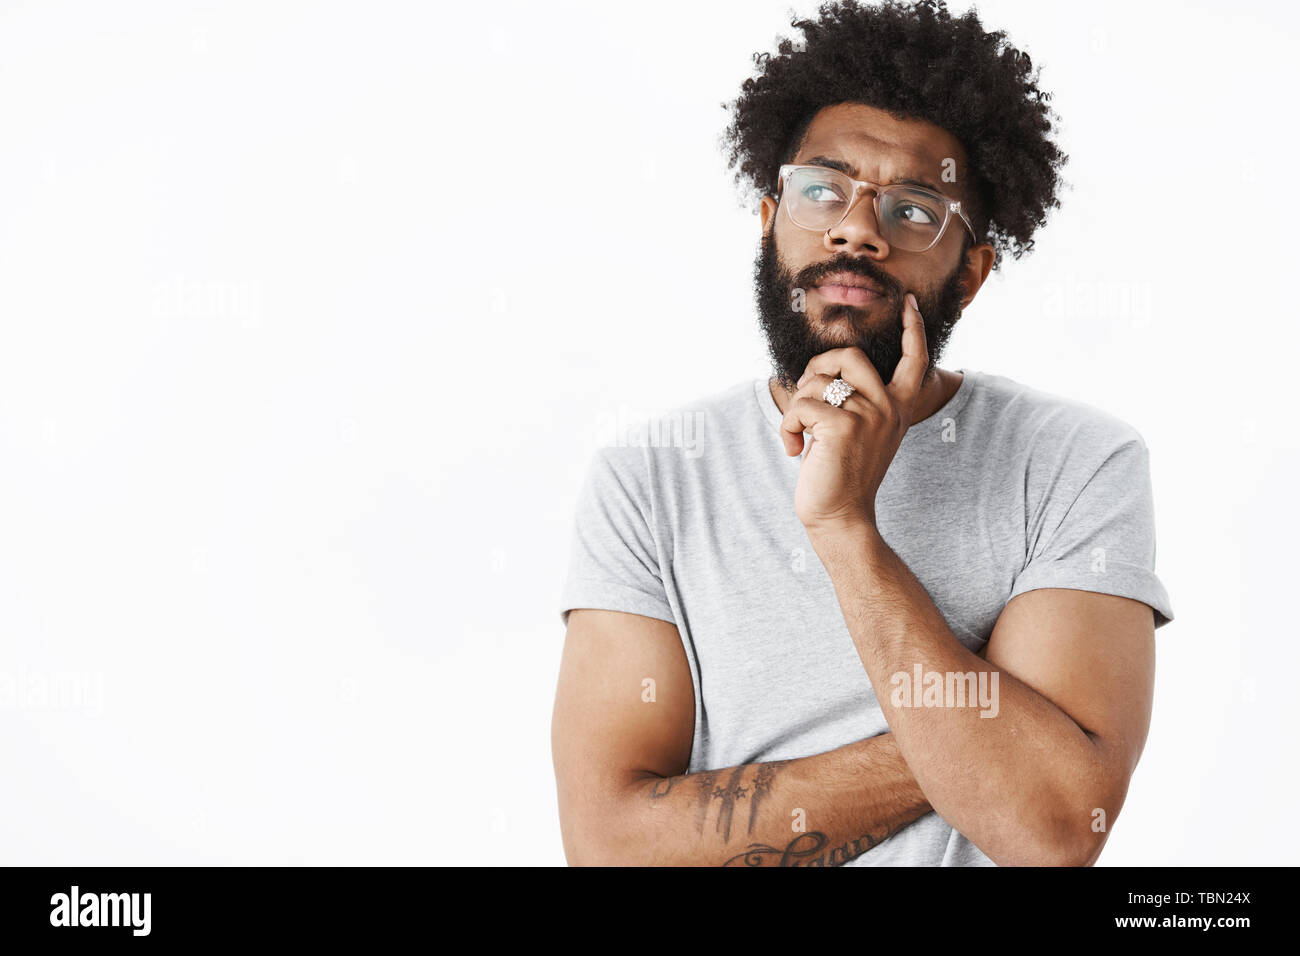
x=822, y=810
x=1010, y=770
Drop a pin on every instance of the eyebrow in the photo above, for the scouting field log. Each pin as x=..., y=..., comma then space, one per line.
x=850, y=170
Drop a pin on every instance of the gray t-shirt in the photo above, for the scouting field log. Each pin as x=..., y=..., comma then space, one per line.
x=690, y=519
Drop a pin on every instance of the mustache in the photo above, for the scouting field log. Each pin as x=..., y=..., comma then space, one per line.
x=852, y=264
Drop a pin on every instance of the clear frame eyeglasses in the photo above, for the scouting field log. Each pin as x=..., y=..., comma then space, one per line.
x=910, y=218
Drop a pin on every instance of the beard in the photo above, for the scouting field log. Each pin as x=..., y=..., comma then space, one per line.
x=793, y=342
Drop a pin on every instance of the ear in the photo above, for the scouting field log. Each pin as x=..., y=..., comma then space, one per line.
x=767, y=212
x=975, y=269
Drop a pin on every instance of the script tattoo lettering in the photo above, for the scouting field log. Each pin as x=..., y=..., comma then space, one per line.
x=807, y=849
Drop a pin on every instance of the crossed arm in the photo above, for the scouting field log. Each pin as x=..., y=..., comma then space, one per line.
x=1041, y=781
x=1076, y=672
x=620, y=762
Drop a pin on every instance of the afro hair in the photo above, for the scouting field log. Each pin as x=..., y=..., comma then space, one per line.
x=913, y=61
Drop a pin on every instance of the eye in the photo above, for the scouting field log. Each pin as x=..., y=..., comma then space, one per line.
x=822, y=192
x=915, y=215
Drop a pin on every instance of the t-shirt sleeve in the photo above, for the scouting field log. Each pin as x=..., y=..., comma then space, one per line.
x=614, y=562
x=1103, y=538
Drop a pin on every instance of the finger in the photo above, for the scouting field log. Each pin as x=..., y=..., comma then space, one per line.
x=790, y=430
x=852, y=365
x=910, y=373
x=805, y=414
x=814, y=386
x=793, y=443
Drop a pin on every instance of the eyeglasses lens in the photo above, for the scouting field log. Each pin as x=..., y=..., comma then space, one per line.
x=910, y=219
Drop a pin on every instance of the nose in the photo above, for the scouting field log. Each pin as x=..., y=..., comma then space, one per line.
x=860, y=227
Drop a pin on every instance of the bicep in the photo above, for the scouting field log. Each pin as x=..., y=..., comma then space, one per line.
x=1090, y=654
x=624, y=708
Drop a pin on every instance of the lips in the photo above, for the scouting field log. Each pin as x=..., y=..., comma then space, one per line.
x=849, y=288
x=849, y=280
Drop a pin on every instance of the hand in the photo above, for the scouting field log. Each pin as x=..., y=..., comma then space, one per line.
x=852, y=446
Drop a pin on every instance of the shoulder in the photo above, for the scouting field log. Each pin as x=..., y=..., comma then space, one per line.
x=1037, y=420
x=634, y=445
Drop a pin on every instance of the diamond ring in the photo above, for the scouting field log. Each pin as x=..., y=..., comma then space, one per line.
x=836, y=392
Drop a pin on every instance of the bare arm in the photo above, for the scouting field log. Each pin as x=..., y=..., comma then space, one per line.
x=1069, y=712
x=620, y=761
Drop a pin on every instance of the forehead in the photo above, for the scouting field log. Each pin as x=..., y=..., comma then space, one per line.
x=862, y=134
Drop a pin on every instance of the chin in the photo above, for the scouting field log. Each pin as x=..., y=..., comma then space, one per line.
x=848, y=322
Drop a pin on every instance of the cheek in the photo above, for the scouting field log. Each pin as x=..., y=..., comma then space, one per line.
x=797, y=248
x=921, y=278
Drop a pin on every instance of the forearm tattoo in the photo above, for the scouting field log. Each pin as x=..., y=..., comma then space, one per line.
x=711, y=790
x=808, y=849
x=805, y=849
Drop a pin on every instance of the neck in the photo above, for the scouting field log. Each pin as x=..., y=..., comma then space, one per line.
x=939, y=386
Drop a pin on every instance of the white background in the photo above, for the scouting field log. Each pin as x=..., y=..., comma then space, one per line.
x=307, y=346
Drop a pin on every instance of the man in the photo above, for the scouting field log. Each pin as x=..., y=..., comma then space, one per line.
x=887, y=613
